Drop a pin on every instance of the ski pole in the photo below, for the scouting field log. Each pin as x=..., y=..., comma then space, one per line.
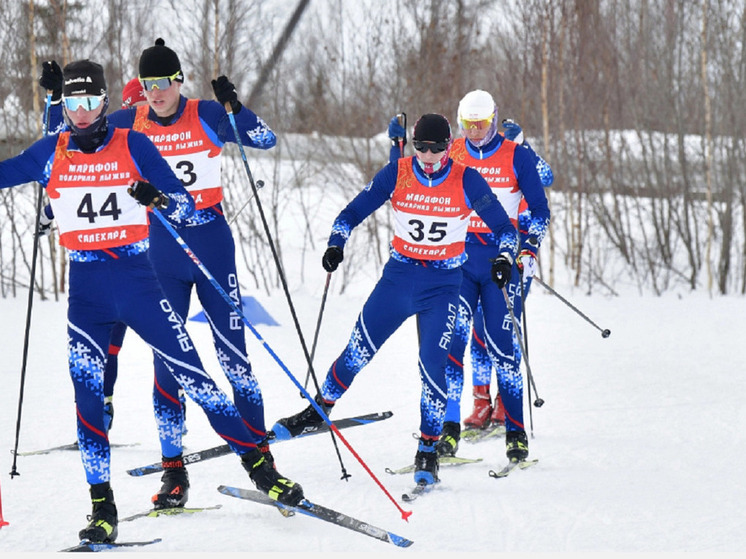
x=538, y=402
x=239, y=312
x=39, y=192
x=401, y=118
x=318, y=326
x=605, y=333
x=525, y=343
x=259, y=184
x=3, y=522
x=267, y=232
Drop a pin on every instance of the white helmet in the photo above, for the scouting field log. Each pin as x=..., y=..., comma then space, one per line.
x=477, y=105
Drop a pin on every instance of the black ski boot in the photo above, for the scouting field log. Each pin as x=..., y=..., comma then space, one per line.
x=102, y=525
x=175, y=489
x=266, y=478
x=303, y=422
x=449, y=438
x=426, y=462
x=516, y=445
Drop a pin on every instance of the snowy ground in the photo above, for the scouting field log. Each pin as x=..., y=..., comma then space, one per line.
x=639, y=442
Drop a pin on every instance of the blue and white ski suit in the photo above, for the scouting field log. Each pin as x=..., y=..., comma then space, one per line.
x=427, y=287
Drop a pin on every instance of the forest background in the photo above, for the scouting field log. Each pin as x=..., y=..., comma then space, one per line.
x=636, y=104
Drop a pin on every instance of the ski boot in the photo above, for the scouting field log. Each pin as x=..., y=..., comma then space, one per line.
x=306, y=421
x=102, y=525
x=426, y=462
x=480, y=417
x=449, y=438
x=516, y=445
x=175, y=489
x=263, y=473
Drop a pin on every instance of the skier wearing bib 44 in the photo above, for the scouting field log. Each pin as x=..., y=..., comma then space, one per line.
x=432, y=198
x=100, y=181
x=190, y=134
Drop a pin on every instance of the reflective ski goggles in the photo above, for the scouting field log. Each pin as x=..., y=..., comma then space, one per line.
x=149, y=84
x=481, y=124
x=88, y=102
x=435, y=147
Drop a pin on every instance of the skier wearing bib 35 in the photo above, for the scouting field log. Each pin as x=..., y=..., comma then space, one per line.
x=432, y=198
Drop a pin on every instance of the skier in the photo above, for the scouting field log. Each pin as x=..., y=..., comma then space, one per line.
x=190, y=133
x=484, y=414
x=511, y=172
x=88, y=173
x=132, y=96
x=432, y=198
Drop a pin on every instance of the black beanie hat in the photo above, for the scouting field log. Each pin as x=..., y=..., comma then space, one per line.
x=432, y=128
x=160, y=61
x=83, y=77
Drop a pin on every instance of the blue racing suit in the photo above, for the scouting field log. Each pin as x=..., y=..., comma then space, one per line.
x=427, y=287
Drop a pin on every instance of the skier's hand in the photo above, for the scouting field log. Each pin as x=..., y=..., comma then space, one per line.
x=397, y=131
x=527, y=258
x=225, y=92
x=513, y=132
x=501, y=267
x=332, y=258
x=148, y=195
x=51, y=79
x=527, y=264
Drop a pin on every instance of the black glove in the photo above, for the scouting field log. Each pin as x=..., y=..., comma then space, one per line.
x=45, y=224
x=332, y=257
x=501, y=267
x=51, y=79
x=148, y=195
x=225, y=92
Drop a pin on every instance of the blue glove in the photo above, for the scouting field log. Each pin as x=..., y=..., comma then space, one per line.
x=396, y=130
x=513, y=132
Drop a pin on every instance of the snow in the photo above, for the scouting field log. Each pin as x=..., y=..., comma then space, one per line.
x=640, y=442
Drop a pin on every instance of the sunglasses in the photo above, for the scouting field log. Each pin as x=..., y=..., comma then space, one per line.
x=435, y=147
x=149, y=84
x=480, y=124
x=88, y=103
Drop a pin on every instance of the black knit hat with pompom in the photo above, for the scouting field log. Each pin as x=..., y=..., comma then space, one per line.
x=160, y=61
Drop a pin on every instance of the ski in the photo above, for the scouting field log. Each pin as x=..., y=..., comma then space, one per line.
x=477, y=435
x=420, y=489
x=443, y=461
x=153, y=513
x=222, y=450
x=101, y=546
x=512, y=465
x=317, y=511
x=280, y=433
x=71, y=446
